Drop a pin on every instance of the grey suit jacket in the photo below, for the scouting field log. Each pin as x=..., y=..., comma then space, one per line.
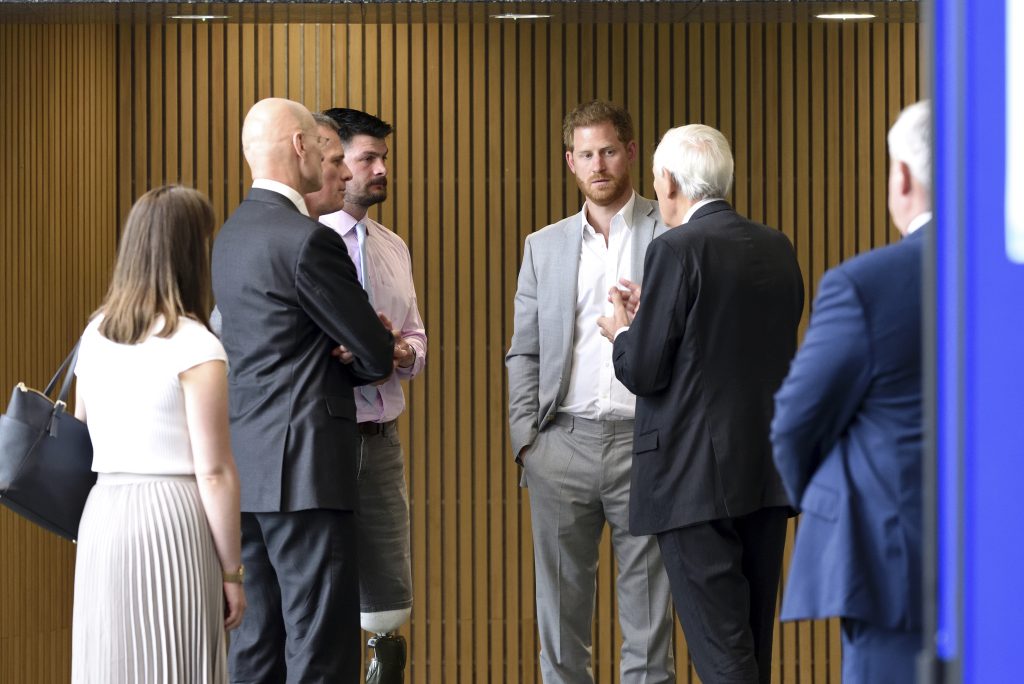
x=539, y=359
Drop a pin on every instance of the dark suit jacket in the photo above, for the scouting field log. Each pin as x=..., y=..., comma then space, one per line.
x=288, y=293
x=847, y=439
x=709, y=346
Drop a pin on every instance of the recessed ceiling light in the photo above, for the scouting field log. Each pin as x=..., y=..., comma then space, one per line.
x=199, y=17
x=843, y=16
x=517, y=17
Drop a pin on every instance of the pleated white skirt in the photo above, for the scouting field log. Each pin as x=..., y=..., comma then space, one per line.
x=149, y=604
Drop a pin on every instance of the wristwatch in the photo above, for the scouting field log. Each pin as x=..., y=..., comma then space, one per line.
x=237, y=577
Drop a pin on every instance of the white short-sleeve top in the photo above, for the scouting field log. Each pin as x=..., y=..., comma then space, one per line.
x=135, y=407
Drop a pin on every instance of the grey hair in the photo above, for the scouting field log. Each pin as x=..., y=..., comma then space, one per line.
x=699, y=159
x=325, y=121
x=910, y=141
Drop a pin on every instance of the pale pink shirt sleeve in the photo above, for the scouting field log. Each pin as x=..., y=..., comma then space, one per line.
x=394, y=295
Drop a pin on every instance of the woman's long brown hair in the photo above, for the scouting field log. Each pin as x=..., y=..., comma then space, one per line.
x=163, y=266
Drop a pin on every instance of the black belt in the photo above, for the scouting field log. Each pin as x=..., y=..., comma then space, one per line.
x=375, y=428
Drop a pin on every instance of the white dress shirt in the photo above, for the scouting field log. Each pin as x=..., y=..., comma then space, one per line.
x=693, y=210
x=291, y=193
x=918, y=221
x=594, y=392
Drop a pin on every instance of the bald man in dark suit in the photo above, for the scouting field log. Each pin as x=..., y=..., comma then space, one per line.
x=288, y=296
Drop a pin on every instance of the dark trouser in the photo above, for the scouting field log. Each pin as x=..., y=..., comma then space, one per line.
x=725, y=580
x=875, y=655
x=302, y=588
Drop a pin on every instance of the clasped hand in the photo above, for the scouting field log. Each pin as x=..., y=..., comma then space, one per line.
x=404, y=354
x=625, y=299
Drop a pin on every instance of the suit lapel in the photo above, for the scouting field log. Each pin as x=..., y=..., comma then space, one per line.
x=644, y=224
x=567, y=267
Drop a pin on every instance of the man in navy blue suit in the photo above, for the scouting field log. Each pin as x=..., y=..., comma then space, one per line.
x=847, y=436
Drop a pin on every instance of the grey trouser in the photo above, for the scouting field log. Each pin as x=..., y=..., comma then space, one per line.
x=577, y=472
x=382, y=523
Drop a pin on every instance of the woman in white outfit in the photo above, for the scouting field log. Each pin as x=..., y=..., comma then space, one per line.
x=158, y=576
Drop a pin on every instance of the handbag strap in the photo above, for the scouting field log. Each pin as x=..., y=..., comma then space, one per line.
x=69, y=365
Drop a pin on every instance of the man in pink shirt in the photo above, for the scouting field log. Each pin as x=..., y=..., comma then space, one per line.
x=382, y=262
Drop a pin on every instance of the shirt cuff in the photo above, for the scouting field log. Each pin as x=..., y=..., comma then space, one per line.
x=619, y=332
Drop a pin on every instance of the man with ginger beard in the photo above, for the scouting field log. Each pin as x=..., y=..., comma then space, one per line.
x=571, y=421
x=288, y=295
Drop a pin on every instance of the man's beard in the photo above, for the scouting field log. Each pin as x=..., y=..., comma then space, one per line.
x=610, y=191
x=368, y=196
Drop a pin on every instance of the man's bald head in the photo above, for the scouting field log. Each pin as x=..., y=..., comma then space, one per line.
x=281, y=142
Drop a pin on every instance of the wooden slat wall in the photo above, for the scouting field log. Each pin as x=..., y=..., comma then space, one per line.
x=95, y=115
x=58, y=221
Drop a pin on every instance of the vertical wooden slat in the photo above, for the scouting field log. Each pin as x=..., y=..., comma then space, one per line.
x=186, y=109
x=572, y=95
x=880, y=60
x=202, y=143
x=441, y=66
x=357, y=73
x=218, y=144
x=652, y=120
x=169, y=114
x=155, y=109
x=323, y=55
x=263, y=67
x=832, y=150
x=758, y=127
x=234, y=112
x=458, y=83
x=473, y=158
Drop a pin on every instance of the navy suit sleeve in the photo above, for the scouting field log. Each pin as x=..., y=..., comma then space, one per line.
x=644, y=355
x=826, y=384
x=331, y=295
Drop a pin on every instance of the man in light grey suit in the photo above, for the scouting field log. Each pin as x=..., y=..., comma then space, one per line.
x=571, y=421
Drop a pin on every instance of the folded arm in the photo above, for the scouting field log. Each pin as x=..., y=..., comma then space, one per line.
x=331, y=295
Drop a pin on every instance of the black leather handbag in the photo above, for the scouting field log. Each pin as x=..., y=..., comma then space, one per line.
x=46, y=456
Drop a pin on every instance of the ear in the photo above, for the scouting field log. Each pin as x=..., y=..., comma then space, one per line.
x=299, y=143
x=673, y=187
x=631, y=151
x=904, y=179
x=569, y=161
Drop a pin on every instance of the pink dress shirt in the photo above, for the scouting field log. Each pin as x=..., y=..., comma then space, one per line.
x=392, y=293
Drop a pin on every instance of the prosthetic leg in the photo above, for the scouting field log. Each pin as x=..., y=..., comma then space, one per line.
x=389, y=650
